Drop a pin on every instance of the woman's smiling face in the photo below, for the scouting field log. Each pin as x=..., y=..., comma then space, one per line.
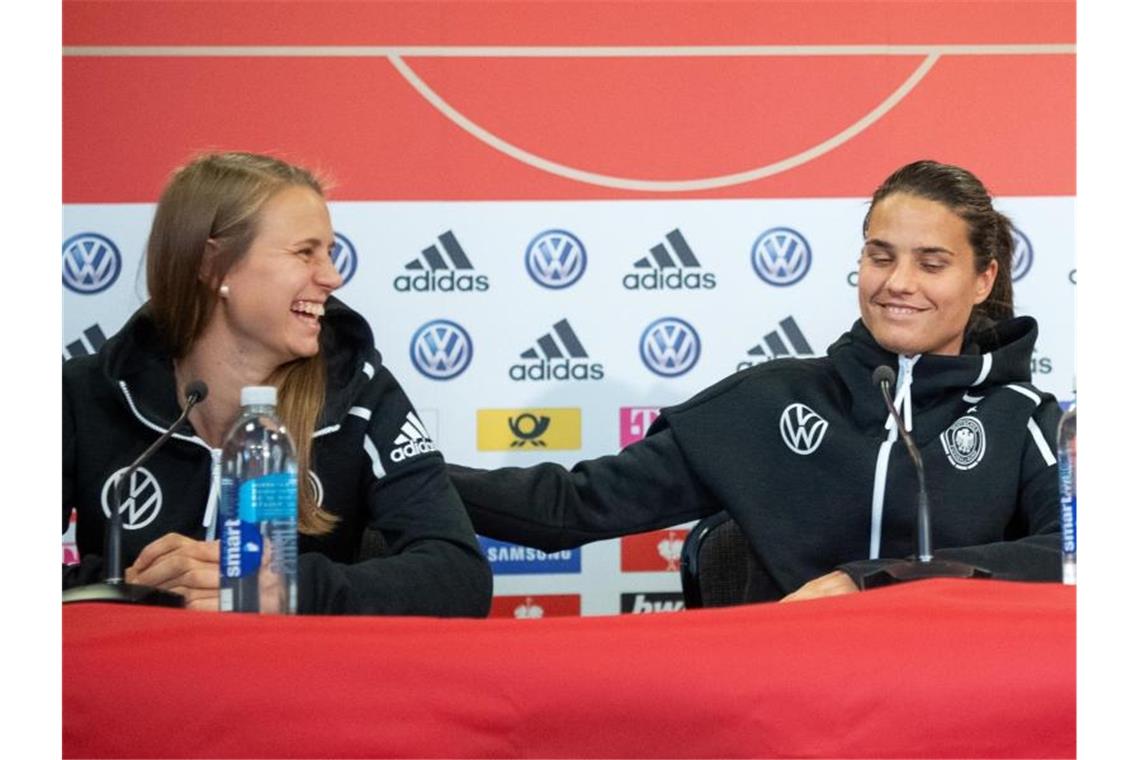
x=278, y=289
x=917, y=278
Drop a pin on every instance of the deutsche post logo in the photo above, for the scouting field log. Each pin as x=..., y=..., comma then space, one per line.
x=528, y=429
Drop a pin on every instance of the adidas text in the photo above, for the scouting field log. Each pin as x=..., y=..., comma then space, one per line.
x=447, y=282
x=557, y=370
x=411, y=449
x=675, y=280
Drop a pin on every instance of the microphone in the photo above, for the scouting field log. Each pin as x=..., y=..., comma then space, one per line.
x=113, y=589
x=925, y=566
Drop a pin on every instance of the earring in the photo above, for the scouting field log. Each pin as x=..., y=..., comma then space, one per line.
x=224, y=291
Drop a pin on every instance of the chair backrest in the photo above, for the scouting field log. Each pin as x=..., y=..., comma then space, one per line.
x=719, y=568
x=372, y=545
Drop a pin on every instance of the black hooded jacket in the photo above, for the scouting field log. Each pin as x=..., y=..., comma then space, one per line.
x=373, y=465
x=803, y=455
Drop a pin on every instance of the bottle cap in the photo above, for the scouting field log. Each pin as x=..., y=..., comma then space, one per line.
x=259, y=395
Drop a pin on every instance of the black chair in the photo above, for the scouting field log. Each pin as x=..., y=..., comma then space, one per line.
x=372, y=545
x=719, y=568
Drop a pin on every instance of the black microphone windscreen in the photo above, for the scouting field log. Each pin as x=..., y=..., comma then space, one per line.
x=197, y=388
x=883, y=374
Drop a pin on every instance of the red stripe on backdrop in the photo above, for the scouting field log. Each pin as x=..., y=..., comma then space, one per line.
x=289, y=22
x=128, y=121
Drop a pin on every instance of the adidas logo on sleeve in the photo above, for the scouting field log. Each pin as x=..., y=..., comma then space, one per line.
x=412, y=440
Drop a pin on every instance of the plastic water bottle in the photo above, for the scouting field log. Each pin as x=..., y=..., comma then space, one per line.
x=1067, y=471
x=258, y=510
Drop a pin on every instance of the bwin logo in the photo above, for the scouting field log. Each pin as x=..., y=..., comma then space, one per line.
x=446, y=271
x=142, y=499
x=670, y=347
x=555, y=259
x=663, y=272
x=91, y=263
x=802, y=429
x=774, y=345
x=561, y=359
x=92, y=340
x=343, y=257
x=781, y=256
x=526, y=428
x=441, y=349
x=412, y=439
x=1022, y=259
x=639, y=604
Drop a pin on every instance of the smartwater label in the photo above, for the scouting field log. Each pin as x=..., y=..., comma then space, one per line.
x=240, y=537
x=270, y=497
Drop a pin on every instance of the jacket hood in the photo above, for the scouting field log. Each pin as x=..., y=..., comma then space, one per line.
x=351, y=359
x=137, y=356
x=996, y=356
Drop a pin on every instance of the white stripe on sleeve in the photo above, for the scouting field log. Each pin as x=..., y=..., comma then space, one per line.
x=374, y=455
x=1026, y=392
x=1042, y=446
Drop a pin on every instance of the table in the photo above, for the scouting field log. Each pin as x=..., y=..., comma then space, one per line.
x=939, y=668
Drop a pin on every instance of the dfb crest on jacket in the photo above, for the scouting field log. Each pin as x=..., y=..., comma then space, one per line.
x=965, y=442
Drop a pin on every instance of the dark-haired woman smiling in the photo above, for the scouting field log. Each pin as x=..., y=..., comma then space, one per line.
x=802, y=452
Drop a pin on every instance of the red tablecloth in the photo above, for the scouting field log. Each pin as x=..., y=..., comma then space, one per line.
x=936, y=669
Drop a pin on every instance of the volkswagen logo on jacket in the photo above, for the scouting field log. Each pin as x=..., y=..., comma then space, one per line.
x=802, y=429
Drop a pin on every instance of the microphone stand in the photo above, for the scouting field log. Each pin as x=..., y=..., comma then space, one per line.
x=926, y=566
x=113, y=588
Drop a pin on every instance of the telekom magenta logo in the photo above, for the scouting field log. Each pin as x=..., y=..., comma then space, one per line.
x=634, y=423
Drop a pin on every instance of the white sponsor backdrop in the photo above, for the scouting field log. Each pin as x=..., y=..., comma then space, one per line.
x=514, y=312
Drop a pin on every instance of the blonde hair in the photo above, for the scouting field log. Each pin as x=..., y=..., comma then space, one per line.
x=215, y=199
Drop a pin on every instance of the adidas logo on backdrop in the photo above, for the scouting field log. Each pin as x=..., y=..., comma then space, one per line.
x=92, y=340
x=413, y=439
x=662, y=270
x=788, y=340
x=559, y=355
x=446, y=271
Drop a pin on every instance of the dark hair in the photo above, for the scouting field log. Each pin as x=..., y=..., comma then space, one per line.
x=990, y=231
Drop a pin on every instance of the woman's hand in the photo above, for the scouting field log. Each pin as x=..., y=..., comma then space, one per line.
x=182, y=565
x=832, y=584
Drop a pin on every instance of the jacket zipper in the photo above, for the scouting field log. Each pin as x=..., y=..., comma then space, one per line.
x=210, y=517
x=878, y=494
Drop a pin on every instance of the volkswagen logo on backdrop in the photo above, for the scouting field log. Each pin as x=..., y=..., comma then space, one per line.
x=670, y=347
x=91, y=263
x=344, y=257
x=555, y=259
x=1022, y=258
x=781, y=256
x=441, y=349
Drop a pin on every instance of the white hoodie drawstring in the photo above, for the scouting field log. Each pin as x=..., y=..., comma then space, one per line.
x=902, y=392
